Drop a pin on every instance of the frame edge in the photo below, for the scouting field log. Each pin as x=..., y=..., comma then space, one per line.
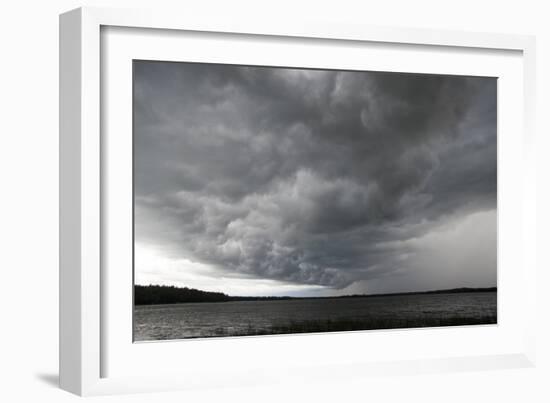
x=70, y=91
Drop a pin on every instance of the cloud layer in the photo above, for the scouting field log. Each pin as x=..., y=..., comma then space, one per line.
x=308, y=176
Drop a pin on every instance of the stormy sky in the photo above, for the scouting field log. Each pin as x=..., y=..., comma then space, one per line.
x=277, y=181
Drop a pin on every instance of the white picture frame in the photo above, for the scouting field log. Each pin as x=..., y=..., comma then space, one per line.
x=92, y=349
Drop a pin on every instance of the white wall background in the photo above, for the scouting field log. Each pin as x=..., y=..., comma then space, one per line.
x=29, y=209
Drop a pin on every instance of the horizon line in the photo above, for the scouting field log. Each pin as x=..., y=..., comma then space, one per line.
x=441, y=290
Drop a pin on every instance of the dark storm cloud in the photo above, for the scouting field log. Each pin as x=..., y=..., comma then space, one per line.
x=306, y=176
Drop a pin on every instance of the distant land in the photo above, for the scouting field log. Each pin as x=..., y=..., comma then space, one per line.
x=159, y=294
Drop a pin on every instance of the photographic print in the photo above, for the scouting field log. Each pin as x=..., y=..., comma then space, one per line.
x=275, y=200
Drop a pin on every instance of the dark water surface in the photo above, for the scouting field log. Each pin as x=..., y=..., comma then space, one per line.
x=178, y=321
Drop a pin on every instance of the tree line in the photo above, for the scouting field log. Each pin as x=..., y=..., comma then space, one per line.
x=162, y=294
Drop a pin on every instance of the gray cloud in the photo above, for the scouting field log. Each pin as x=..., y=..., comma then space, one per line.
x=307, y=176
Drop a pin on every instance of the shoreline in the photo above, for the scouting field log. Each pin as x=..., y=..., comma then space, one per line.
x=227, y=298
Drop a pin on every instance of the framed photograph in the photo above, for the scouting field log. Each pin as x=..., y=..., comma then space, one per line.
x=247, y=201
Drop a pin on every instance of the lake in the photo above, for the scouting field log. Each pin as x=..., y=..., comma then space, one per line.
x=241, y=318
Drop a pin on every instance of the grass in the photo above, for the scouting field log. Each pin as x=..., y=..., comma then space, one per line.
x=345, y=324
x=340, y=325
